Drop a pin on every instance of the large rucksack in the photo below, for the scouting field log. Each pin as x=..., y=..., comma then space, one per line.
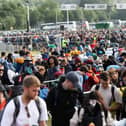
x=17, y=109
x=92, y=115
x=92, y=111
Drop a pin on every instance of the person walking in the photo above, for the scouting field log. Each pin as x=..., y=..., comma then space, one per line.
x=61, y=100
x=109, y=95
x=32, y=109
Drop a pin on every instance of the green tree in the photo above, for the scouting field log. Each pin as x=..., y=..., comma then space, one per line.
x=34, y=17
x=119, y=14
x=76, y=15
x=12, y=13
x=90, y=16
x=101, y=15
x=9, y=22
x=48, y=11
x=20, y=15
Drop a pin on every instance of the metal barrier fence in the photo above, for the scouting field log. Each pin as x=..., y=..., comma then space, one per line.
x=51, y=83
x=6, y=47
x=48, y=82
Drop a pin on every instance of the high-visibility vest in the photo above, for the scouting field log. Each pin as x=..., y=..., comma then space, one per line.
x=64, y=43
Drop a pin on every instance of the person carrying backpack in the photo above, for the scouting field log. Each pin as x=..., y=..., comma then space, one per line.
x=61, y=100
x=27, y=109
x=108, y=94
x=90, y=113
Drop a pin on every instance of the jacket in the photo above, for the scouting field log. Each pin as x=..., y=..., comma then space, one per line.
x=61, y=104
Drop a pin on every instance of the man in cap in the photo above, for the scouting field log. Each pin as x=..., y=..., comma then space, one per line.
x=62, y=99
x=72, y=81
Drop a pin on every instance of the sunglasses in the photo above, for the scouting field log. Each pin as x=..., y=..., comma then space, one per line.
x=27, y=111
x=1, y=69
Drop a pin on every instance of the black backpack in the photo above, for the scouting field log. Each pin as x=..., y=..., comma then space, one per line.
x=92, y=115
x=123, y=113
x=17, y=109
x=17, y=89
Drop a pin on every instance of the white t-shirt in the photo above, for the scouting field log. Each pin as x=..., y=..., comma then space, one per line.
x=22, y=118
x=107, y=94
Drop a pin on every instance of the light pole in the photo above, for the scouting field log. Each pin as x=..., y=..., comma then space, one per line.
x=109, y=17
x=28, y=16
x=82, y=17
x=67, y=16
x=109, y=11
x=56, y=17
x=57, y=25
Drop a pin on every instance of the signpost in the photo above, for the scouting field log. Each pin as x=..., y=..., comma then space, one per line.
x=95, y=6
x=28, y=15
x=67, y=7
x=103, y=6
x=121, y=6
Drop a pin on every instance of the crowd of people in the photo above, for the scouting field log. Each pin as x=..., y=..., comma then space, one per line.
x=60, y=78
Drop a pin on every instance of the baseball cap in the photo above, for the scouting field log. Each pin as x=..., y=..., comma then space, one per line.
x=74, y=78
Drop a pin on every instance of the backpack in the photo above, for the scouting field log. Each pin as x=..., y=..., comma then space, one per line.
x=17, y=89
x=18, y=80
x=123, y=113
x=28, y=70
x=17, y=109
x=92, y=113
